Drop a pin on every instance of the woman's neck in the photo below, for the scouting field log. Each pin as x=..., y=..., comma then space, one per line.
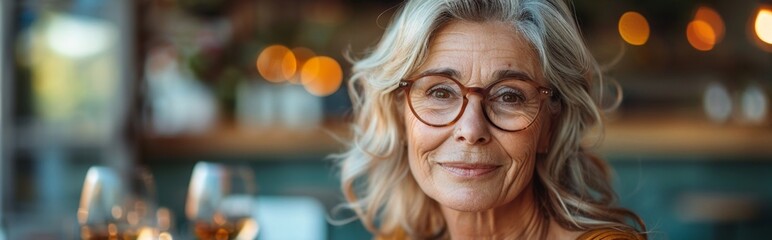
x=518, y=219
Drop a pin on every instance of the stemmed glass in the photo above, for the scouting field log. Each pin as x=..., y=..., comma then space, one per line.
x=101, y=192
x=220, y=202
x=117, y=207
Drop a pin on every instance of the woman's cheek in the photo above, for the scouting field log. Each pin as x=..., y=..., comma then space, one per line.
x=421, y=144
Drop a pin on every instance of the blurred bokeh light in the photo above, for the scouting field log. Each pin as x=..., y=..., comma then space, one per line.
x=700, y=35
x=321, y=76
x=763, y=24
x=714, y=20
x=634, y=28
x=77, y=37
x=277, y=63
x=706, y=29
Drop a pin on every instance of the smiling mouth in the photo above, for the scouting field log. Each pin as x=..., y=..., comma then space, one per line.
x=469, y=170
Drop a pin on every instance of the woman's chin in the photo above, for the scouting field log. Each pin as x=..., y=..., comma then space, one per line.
x=469, y=200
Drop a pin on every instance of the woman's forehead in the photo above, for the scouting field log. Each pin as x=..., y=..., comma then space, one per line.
x=489, y=35
x=486, y=47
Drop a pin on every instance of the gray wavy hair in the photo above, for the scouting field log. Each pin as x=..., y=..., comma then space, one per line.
x=572, y=185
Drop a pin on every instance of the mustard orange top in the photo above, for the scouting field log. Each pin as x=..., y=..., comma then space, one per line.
x=597, y=234
x=609, y=234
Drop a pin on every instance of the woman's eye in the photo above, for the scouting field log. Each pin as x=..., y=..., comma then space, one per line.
x=439, y=93
x=510, y=97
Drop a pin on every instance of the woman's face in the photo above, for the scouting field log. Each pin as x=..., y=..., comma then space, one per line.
x=472, y=165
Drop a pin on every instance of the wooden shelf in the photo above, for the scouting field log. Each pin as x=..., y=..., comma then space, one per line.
x=686, y=137
x=230, y=139
x=679, y=137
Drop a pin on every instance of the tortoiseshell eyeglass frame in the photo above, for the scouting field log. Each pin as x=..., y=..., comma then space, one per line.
x=406, y=85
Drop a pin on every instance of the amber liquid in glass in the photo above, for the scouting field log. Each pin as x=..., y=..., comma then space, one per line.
x=106, y=234
x=225, y=231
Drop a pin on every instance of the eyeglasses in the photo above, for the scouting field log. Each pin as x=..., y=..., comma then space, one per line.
x=509, y=104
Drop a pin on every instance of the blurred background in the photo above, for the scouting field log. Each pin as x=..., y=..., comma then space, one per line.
x=145, y=89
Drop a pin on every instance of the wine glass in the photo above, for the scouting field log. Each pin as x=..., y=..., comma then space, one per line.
x=220, y=202
x=115, y=206
x=101, y=192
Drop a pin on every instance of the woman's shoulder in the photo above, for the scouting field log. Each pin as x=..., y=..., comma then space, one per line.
x=610, y=234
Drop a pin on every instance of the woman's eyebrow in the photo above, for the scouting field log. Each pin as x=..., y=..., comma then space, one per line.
x=512, y=74
x=447, y=72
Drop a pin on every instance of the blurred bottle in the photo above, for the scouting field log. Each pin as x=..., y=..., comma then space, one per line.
x=261, y=105
x=178, y=103
x=299, y=109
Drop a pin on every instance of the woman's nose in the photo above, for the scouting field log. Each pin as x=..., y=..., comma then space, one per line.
x=472, y=127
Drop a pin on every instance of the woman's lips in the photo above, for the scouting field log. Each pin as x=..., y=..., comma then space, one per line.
x=468, y=170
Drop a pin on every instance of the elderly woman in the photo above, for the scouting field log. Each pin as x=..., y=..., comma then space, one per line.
x=468, y=122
